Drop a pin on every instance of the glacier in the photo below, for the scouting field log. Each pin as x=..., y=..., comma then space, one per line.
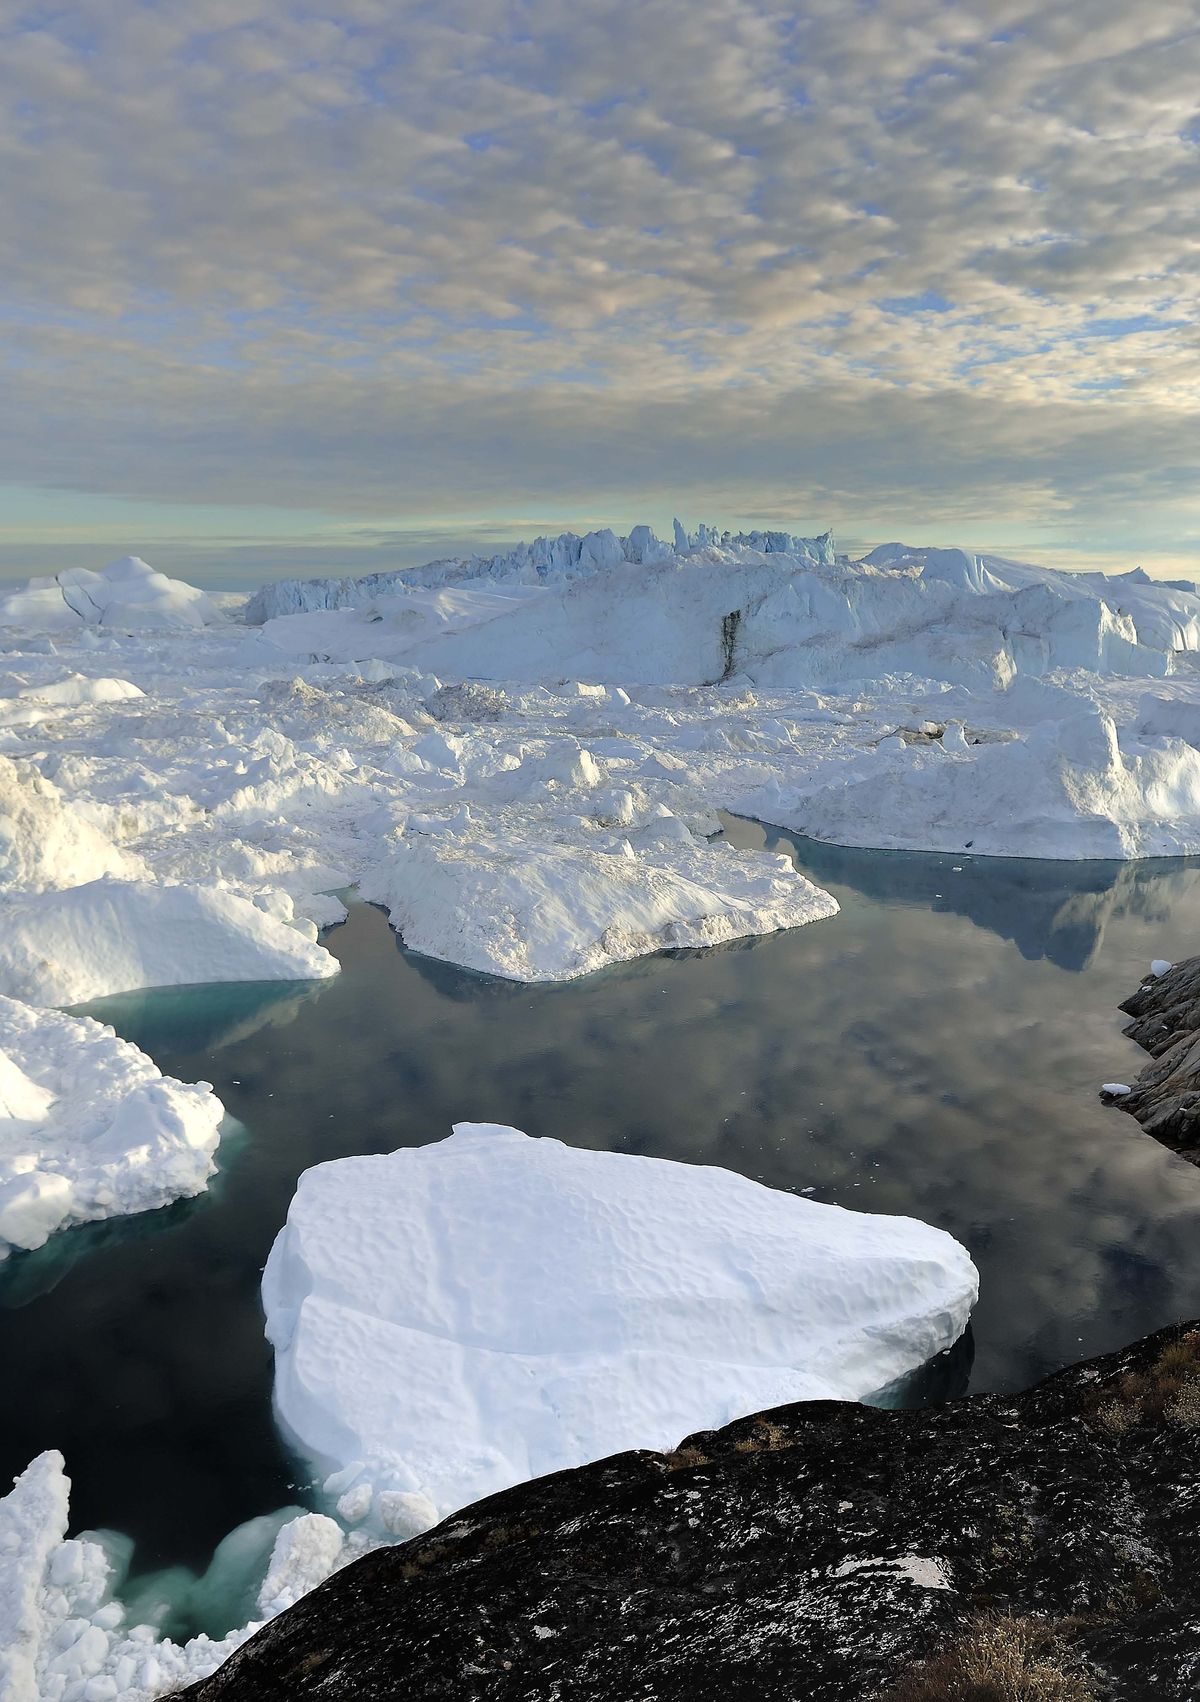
x=641, y=1299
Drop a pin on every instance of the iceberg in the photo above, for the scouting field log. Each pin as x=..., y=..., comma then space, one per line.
x=113, y=936
x=127, y=596
x=551, y=912
x=90, y=1128
x=44, y=841
x=1065, y=790
x=642, y=1299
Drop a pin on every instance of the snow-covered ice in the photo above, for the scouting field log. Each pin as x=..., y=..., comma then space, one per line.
x=641, y=1299
x=560, y=723
x=548, y=912
x=126, y=596
x=90, y=1128
x=44, y=841
x=114, y=936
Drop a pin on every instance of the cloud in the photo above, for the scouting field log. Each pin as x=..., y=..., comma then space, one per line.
x=846, y=255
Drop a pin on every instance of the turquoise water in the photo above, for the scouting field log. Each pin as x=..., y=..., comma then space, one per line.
x=934, y=1050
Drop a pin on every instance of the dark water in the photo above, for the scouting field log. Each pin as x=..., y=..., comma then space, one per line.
x=934, y=1050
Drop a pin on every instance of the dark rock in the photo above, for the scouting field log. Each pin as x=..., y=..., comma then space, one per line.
x=1166, y=1020
x=815, y=1552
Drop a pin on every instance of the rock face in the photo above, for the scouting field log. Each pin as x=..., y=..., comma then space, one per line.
x=1165, y=1098
x=823, y=1550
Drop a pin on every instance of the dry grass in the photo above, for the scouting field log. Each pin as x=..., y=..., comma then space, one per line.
x=1166, y=1392
x=1000, y=1660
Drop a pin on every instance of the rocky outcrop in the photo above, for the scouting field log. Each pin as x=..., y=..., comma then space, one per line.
x=825, y=1551
x=1165, y=1098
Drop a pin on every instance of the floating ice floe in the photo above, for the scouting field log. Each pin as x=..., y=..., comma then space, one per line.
x=112, y=936
x=90, y=1128
x=549, y=912
x=642, y=1299
x=63, y=1636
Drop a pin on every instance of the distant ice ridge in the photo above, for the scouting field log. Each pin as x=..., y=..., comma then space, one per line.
x=63, y=1636
x=643, y=1299
x=642, y=612
x=545, y=560
x=90, y=1128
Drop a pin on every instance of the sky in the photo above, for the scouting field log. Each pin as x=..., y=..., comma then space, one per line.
x=286, y=287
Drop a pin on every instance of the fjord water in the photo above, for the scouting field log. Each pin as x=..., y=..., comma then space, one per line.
x=933, y=1050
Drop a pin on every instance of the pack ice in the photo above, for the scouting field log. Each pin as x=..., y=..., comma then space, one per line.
x=524, y=756
x=642, y=1299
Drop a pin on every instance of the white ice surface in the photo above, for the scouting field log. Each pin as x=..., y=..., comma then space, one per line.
x=111, y=936
x=126, y=596
x=549, y=912
x=63, y=1636
x=90, y=1128
x=641, y=1299
x=1066, y=789
x=44, y=841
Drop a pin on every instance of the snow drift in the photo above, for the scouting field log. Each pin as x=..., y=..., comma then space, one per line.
x=641, y=1299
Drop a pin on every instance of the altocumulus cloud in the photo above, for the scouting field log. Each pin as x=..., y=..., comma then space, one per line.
x=892, y=258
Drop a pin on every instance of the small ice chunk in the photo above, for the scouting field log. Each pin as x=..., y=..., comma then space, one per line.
x=355, y=1504
x=1160, y=966
x=1116, y=1089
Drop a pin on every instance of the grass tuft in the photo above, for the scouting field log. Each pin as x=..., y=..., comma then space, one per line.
x=1005, y=1659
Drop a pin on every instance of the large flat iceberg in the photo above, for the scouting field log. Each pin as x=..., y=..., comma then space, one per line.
x=452, y=1319
x=90, y=1128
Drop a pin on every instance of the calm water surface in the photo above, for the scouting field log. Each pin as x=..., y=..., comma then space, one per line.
x=934, y=1050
